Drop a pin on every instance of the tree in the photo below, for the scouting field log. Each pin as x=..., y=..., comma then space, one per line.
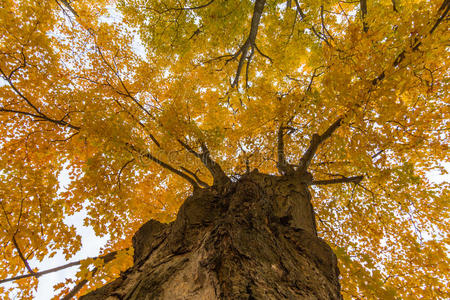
x=147, y=102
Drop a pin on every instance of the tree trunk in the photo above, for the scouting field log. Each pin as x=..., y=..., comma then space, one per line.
x=251, y=239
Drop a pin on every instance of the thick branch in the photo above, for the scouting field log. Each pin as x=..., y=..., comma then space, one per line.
x=41, y=117
x=214, y=168
x=250, y=42
x=282, y=166
x=281, y=163
x=199, y=181
x=394, y=6
x=444, y=11
x=314, y=145
x=363, y=6
x=354, y=179
x=164, y=165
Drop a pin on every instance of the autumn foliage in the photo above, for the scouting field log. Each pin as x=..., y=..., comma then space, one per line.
x=132, y=97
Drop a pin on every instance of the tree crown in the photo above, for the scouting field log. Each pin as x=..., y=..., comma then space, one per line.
x=142, y=102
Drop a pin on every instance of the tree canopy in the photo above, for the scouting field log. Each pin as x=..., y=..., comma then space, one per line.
x=143, y=101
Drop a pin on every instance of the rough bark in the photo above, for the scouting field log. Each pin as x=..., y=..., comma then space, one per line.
x=253, y=239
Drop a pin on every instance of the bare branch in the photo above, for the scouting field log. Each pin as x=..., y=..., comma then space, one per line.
x=324, y=28
x=394, y=6
x=178, y=8
x=38, y=114
x=214, y=168
x=249, y=59
x=195, y=7
x=22, y=257
x=106, y=258
x=363, y=6
x=199, y=181
x=263, y=55
x=321, y=36
x=121, y=170
x=281, y=163
x=288, y=4
x=378, y=153
x=316, y=140
x=127, y=93
x=250, y=42
x=443, y=11
x=354, y=179
x=68, y=6
x=164, y=165
x=41, y=117
x=11, y=84
x=78, y=287
x=283, y=167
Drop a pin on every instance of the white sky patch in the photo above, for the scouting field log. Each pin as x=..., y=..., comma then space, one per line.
x=438, y=177
x=91, y=245
x=3, y=82
x=115, y=17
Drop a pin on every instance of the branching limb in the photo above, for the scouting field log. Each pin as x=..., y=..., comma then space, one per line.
x=363, y=6
x=121, y=170
x=199, y=181
x=443, y=12
x=283, y=167
x=316, y=141
x=354, y=179
x=37, y=114
x=246, y=51
x=394, y=6
x=181, y=8
x=320, y=35
x=195, y=7
x=124, y=109
x=164, y=165
x=22, y=257
x=324, y=28
x=126, y=92
x=14, y=88
x=214, y=168
x=40, y=117
x=250, y=42
x=263, y=55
